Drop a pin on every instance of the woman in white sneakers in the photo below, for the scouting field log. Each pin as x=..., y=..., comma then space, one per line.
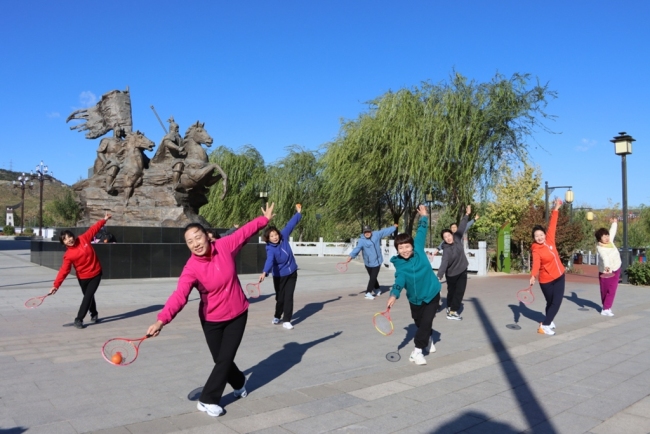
x=609, y=266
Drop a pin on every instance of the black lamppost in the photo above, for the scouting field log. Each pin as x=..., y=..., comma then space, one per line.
x=568, y=198
x=623, y=147
x=264, y=196
x=41, y=176
x=429, y=201
x=23, y=183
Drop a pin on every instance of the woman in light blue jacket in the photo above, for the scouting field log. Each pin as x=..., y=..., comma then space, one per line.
x=281, y=262
x=370, y=243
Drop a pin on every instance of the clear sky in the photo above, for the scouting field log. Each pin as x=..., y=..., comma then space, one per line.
x=274, y=74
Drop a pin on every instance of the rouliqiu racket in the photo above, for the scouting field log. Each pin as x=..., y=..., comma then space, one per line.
x=126, y=348
x=253, y=290
x=342, y=267
x=526, y=295
x=383, y=323
x=35, y=301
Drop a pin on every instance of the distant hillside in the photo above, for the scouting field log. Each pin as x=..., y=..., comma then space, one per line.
x=11, y=196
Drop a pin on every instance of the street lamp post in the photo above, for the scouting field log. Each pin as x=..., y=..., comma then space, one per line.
x=623, y=147
x=568, y=197
x=429, y=201
x=23, y=183
x=41, y=176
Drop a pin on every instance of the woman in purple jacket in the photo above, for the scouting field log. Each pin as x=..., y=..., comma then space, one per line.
x=280, y=262
x=223, y=309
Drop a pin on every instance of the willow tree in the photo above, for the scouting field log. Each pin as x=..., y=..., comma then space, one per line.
x=445, y=139
x=246, y=178
x=296, y=179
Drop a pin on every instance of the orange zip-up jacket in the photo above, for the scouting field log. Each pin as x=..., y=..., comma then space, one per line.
x=546, y=259
x=82, y=256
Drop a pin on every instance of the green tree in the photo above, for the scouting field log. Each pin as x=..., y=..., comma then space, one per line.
x=446, y=139
x=246, y=179
x=66, y=208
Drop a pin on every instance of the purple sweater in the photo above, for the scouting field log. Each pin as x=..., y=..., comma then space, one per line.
x=215, y=277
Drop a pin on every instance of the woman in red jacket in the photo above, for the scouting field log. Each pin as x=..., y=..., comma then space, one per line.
x=80, y=253
x=546, y=262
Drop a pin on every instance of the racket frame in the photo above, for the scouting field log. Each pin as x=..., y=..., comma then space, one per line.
x=528, y=290
x=257, y=292
x=342, y=267
x=41, y=298
x=385, y=314
x=135, y=344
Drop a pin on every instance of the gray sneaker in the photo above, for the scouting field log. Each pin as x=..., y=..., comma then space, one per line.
x=94, y=319
x=454, y=316
x=79, y=324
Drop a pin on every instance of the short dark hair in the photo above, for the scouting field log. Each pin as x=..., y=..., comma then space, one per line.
x=66, y=233
x=214, y=233
x=402, y=239
x=442, y=232
x=537, y=228
x=600, y=232
x=198, y=226
x=268, y=231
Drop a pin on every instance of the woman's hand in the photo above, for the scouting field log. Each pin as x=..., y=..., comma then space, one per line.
x=262, y=277
x=390, y=302
x=558, y=204
x=468, y=210
x=268, y=212
x=422, y=210
x=613, y=220
x=155, y=329
x=532, y=280
x=476, y=217
x=53, y=291
x=107, y=216
x=298, y=207
x=349, y=259
x=607, y=270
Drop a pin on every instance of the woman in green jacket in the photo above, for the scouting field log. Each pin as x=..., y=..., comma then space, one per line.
x=413, y=273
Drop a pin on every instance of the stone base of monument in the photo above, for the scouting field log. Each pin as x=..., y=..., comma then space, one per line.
x=142, y=253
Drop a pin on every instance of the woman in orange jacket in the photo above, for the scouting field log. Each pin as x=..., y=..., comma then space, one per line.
x=547, y=263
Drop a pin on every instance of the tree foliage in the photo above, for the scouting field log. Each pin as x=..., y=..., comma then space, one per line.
x=65, y=210
x=446, y=139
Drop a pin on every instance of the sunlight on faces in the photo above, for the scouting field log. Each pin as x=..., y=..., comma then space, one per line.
x=274, y=237
x=540, y=237
x=68, y=240
x=448, y=238
x=197, y=241
x=405, y=250
x=453, y=228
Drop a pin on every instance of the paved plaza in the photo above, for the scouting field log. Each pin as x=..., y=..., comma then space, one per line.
x=330, y=373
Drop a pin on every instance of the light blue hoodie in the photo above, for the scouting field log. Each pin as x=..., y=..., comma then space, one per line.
x=372, y=256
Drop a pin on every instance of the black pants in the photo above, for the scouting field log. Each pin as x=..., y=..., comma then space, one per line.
x=554, y=294
x=88, y=288
x=223, y=339
x=423, y=316
x=284, y=287
x=456, y=290
x=373, y=284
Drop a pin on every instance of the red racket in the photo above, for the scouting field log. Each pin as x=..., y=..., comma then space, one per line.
x=35, y=301
x=342, y=267
x=122, y=351
x=383, y=323
x=253, y=290
x=526, y=295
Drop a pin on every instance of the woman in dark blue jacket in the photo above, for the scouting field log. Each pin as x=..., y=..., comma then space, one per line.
x=281, y=262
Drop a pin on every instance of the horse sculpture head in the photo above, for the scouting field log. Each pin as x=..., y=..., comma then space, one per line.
x=139, y=141
x=197, y=133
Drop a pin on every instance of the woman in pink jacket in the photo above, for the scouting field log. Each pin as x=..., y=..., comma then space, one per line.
x=223, y=309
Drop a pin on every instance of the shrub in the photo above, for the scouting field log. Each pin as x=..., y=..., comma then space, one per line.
x=639, y=273
x=28, y=231
x=9, y=230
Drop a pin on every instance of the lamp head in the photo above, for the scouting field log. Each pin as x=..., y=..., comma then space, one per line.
x=568, y=196
x=623, y=143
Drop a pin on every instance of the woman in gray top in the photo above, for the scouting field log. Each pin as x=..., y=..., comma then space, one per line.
x=454, y=266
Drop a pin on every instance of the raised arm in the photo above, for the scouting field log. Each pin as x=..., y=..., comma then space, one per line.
x=94, y=229
x=612, y=229
x=552, y=224
x=238, y=238
x=292, y=223
x=421, y=233
x=387, y=231
x=462, y=226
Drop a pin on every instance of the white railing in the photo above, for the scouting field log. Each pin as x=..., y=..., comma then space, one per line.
x=477, y=258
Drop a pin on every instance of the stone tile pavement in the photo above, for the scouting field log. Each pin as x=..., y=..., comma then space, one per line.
x=330, y=373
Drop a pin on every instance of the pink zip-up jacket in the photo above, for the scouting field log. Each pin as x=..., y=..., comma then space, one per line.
x=215, y=277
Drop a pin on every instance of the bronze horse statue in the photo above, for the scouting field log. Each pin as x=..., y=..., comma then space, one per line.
x=198, y=171
x=133, y=161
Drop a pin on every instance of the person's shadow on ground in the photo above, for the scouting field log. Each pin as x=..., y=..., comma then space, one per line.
x=582, y=302
x=260, y=298
x=310, y=309
x=522, y=310
x=410, y=330
x=131, y=314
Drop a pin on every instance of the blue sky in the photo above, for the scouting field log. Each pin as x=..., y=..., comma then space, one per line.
x=274, y=74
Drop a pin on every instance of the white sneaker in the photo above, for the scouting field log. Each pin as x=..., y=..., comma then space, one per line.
x=417, y=358
x=287, y=325
x=241, y=393
x=552, y=325
x=369, y=296
x=606, y=312
x=432, y=347
x=378, y=293
x=212, y=409
x=275, y=321
x=545, y=330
